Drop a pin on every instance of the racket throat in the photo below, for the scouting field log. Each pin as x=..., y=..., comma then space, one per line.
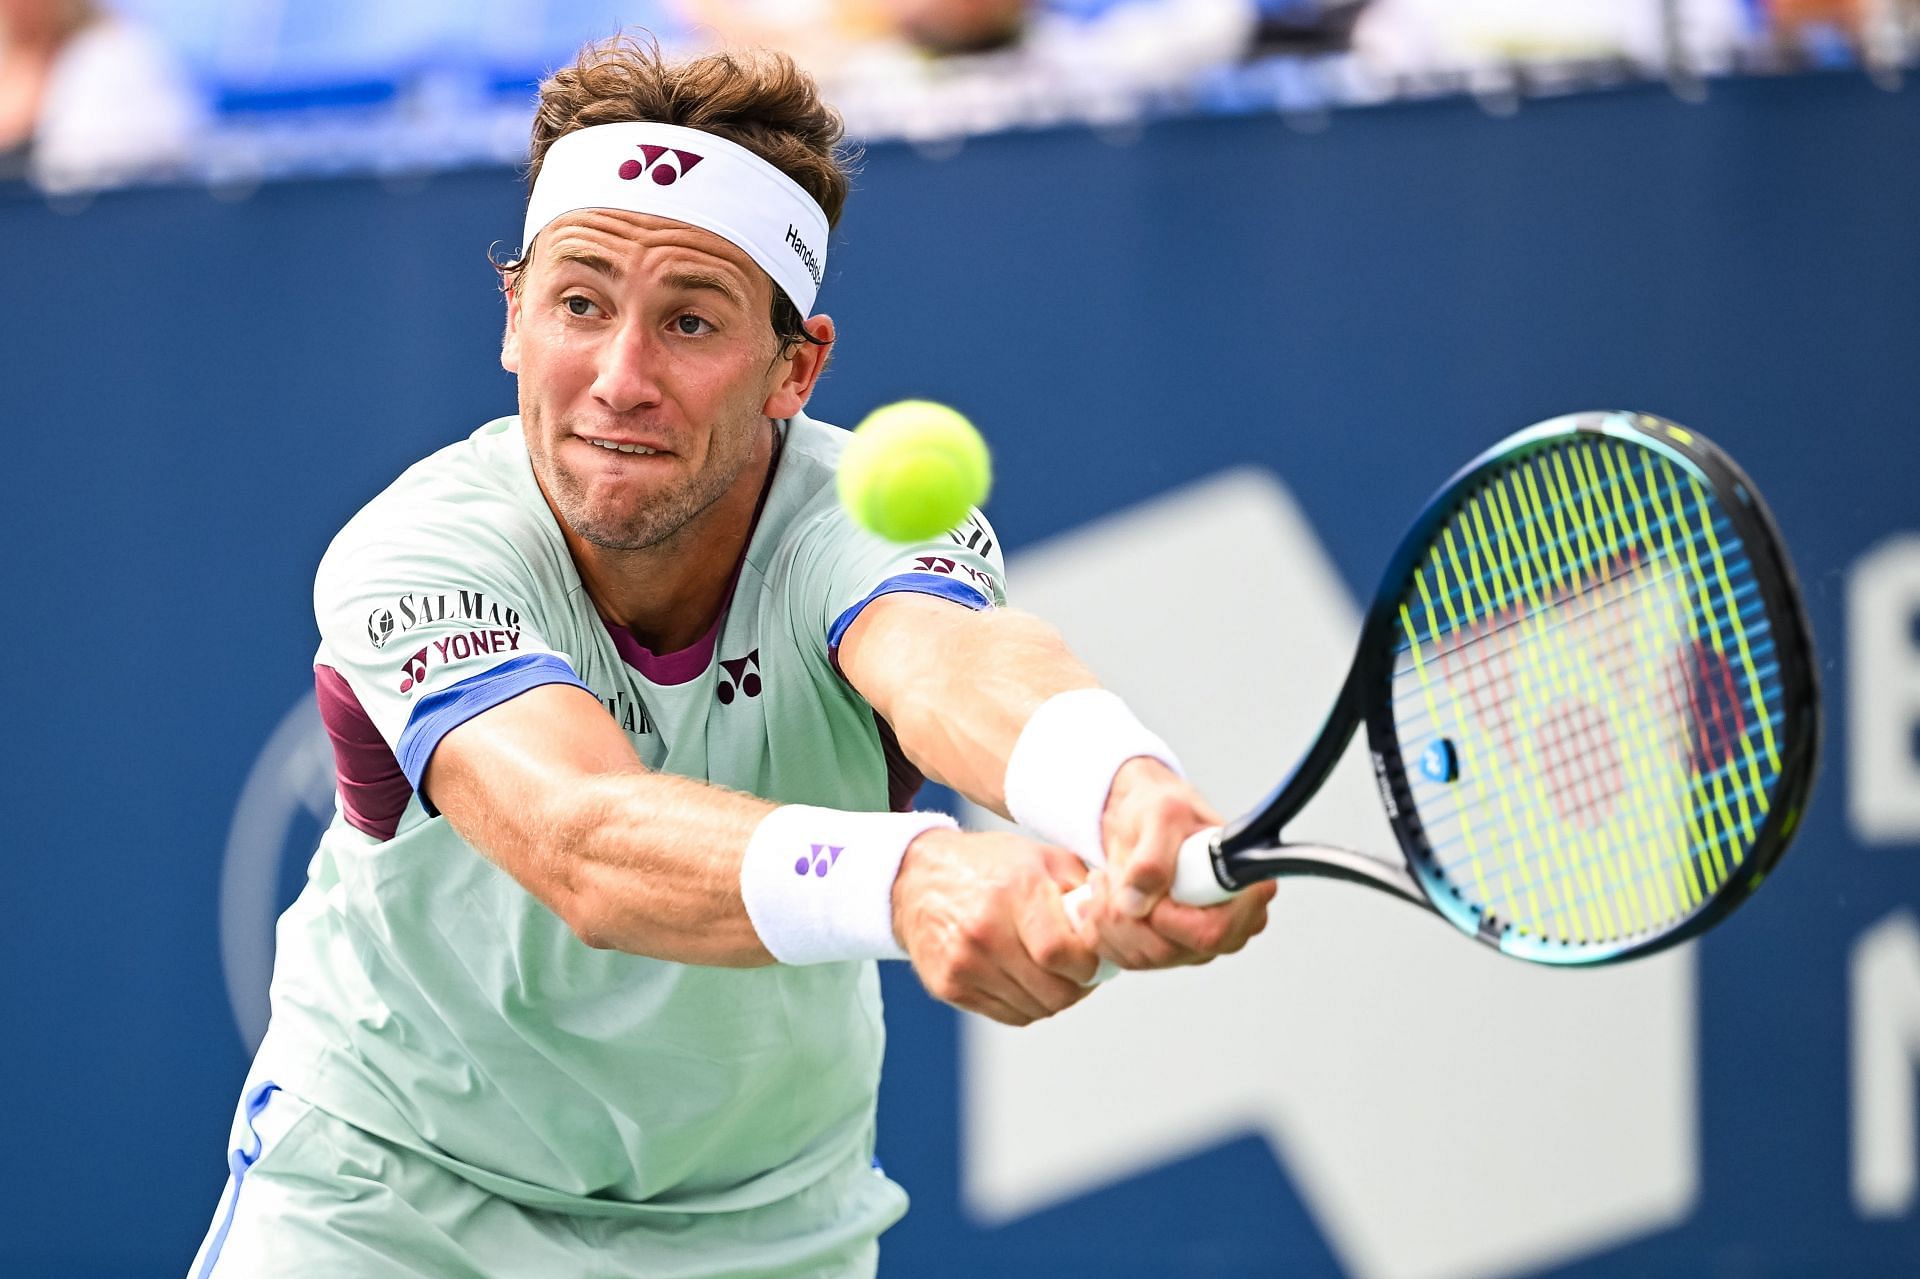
x=1319, y=861
x=1260, y=830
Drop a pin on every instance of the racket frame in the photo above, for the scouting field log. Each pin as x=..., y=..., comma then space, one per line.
x=1251, y=848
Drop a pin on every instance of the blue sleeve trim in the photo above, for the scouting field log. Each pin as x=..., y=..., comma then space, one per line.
x=939, y=584
x=442, y=711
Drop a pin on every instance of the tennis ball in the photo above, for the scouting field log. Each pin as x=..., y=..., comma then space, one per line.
x=912, y=469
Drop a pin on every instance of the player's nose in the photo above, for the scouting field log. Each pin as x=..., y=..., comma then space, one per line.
x=627, y=376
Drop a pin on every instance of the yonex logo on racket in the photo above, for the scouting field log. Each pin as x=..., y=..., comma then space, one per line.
x=819, y=859
x=664, y=171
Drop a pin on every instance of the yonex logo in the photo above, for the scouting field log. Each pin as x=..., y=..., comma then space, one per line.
x=665, y=172
x=414, y=672
x=740, y=676
x=819, y=860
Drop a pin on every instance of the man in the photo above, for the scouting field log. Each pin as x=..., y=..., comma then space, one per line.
x=625, y=712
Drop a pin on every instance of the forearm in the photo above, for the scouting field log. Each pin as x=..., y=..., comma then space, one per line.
x=960, y=712
x=637, y=861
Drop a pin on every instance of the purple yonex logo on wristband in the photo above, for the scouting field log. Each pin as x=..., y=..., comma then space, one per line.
x=820, y=860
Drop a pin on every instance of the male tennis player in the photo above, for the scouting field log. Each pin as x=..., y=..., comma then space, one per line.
x=627, y=714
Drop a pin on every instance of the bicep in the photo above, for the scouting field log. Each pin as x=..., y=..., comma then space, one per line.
x=956, y=685
x=503, y=777
x=898, y=643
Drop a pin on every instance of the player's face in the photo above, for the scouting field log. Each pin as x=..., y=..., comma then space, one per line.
x=648, y=370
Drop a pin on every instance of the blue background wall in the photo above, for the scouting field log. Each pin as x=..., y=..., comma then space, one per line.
x=197, y=391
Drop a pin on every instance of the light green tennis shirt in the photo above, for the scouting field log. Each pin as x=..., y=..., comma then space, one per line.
x=421, y=994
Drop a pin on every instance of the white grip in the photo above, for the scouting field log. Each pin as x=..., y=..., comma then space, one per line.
x=1194, y=884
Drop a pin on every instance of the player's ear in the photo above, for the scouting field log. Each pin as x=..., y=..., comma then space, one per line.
x=799, y=370
x=510, y=341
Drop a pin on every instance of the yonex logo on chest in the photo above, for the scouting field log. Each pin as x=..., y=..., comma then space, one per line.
x=739, y=677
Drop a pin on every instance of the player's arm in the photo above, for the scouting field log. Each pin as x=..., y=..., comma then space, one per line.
x=547, y=787
x=961, y=688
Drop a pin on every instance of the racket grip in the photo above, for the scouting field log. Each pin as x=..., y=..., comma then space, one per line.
x=1194, y=884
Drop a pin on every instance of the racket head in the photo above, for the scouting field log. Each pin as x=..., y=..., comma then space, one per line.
x=1589, y=691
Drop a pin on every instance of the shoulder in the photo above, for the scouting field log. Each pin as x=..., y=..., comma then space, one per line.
x=472, y=507
x=803, y=505
x=810, y=460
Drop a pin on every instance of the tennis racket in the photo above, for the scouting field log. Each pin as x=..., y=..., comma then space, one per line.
x=1590, y=701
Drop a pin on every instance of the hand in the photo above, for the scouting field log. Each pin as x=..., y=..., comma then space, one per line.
x=1150, y=812
x=980, y=916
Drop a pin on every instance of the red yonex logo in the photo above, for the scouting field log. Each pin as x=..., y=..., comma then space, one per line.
x=414, y=672
x=934, y=564
x=664, y=171
x=820, y=860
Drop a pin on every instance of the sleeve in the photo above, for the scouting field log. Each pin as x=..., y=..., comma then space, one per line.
x=419, y=637
x=843, y=568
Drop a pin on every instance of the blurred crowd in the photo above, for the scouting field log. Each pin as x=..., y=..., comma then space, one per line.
x=95, y=92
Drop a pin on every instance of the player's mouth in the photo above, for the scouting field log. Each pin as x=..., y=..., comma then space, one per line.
x=632, y=448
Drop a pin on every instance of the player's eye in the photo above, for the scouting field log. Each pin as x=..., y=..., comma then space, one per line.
x=691, y=326
x=578, y=304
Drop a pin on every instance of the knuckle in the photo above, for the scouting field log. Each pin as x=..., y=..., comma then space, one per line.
x=1053, y=953
x=1214, y=932
x=979, y=932
x=949, y=987
x=1065, y=998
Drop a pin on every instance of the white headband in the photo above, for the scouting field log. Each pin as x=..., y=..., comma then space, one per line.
x=692, y=177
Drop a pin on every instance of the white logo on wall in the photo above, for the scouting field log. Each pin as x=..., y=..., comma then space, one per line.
x=287, y=796
x=1445, y=1112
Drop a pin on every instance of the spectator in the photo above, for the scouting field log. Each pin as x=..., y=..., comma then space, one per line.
x=86, y=98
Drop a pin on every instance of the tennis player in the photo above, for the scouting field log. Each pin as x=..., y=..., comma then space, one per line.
x=627, y=715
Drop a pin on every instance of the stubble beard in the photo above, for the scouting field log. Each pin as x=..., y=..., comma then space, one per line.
x=667, y=514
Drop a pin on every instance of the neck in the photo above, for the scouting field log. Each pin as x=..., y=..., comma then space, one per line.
x=667, y=595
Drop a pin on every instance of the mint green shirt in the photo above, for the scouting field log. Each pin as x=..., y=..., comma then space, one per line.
x=421, y=994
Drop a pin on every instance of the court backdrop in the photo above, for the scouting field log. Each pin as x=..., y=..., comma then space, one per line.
x=1219, y=362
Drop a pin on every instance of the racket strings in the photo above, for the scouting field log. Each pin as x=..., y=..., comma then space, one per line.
x=1586, y=634
x=1488, y=679
x=1563, y=541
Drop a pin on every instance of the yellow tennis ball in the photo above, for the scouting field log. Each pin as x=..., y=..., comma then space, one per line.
x=912, y=470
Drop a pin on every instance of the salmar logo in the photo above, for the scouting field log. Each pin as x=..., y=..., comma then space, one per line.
x=417, y=608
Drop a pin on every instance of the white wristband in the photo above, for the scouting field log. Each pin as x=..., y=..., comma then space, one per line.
x=818, y=882
x=1063, y=766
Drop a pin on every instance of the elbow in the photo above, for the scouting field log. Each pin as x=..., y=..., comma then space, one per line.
x=571, y=896
x=590, y=929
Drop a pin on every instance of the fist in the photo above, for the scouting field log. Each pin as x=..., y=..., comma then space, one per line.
x=980, y=916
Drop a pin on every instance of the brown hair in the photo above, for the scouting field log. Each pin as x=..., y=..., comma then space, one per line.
x=756, y=98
